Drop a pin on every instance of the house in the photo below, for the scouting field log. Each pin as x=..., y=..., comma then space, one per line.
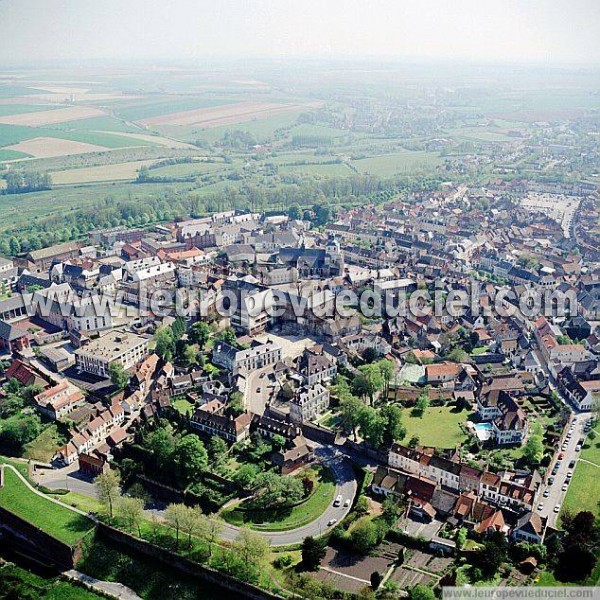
x=13, y=337
x=388, y=481
x=92, y=465
x=442, y=373
x=300, y=454
x=530, y=527
x=585, y=395
x=211, y=419
x=315, y=367
x=309, y=402
x=24, y=374
x=60, y=400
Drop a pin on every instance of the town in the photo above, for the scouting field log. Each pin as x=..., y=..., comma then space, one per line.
x=366, y=451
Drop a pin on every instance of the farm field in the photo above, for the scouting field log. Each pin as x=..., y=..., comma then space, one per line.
x=402, y=162
x=222, y=115
x=17, y=109
x=55, y=520
x=324, y=169
x=126, y=171
x=440, y=426
x=44, y=147
x=50, y=117
x=187, y=169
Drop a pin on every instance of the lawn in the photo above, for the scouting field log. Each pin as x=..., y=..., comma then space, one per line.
x=45, y=445
x=183, y=405
x=57, y=521
x=584, y=491
x=387, y=165
x=591, y=448
x=439, y=426
x=284, y=519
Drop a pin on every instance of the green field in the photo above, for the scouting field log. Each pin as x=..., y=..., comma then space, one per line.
x=439, y=426
x=11, y=154
x=18, y=109
x=584, y=489
x=591, y=448
x=148, y=108
x=187, y=169
x=45, y=445
x=284, y=519
x=57, y=521
x=183, y=405
x=97, y=124
x=326, y=170
x=387, y=165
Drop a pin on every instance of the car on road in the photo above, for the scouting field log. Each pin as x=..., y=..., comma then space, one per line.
x=561, y=456
x=347, y=503
x=546, y=493
x=331, y=522
x=550, y=480
x=540, y=506
x=569, y=474
x=578, y=448
x=565, y=487
x=572, y=464
x=338, y=500
x=555, y=470
x=557, y=508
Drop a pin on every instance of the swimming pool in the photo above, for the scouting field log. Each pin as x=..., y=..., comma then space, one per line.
x=483, y=431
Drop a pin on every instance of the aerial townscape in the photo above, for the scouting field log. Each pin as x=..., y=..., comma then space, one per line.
x=297, y=328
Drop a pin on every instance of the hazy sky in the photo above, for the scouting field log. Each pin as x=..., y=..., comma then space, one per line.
x=548, y=31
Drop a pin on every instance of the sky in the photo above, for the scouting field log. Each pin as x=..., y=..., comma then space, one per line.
x=537, y=31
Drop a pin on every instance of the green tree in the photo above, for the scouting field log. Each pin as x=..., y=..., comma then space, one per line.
x=200, y=333
x=313, y=551
x=245, y=474
x=108, y=490
x=119, y=377
x=161, y=444
x=217, y=449
x=211, y=529
x=394, y=430
x=175, y=515
x=191, y=522
x=130, y=511
x=164, y=343
x=228, y=336
x=351, y=408
x=533, y=450
x=421, y=592
x=190, y=458
x=364, y=536
x=252, y=549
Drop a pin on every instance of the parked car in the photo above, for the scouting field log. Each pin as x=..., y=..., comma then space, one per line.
x=561, y=456
x=569, y=474
x=565, y=487
x=572, y=464
x=578, y=448
x=540, y=506
x=546, y=493
x=338, y=500
x=347, y=503
x=331, y=522
x=557, y=508
x=550, y=480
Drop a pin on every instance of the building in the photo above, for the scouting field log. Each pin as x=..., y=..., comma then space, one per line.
x=210, y=419
x=585, y=395
x=244, y=361
x=308, y=403
x=117, y=346
x=60, y=400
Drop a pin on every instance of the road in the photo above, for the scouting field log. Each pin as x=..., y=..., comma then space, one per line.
x=346, y=486
x=556, y=495
x=340, y=465
x=256, y=393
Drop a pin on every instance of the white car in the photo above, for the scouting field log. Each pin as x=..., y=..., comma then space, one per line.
x=540, y=506
x=565, y=487
x=338, y=501
x=557, y=508
x=331, y=522
x=569, y=474
x=578, y=448
x=347, y=503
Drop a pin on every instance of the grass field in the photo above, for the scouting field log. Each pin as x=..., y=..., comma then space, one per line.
x=126, y=171
x=187, y=169
x=98, y=124
x=11, y=154
x=584, y=490
x=439, y=426
x=288, y=518
x=387, y=165
x=591, y=448
x=183, y=406
x=18, y=109
x=45, y=445
x=55, y=520
x=149, y=108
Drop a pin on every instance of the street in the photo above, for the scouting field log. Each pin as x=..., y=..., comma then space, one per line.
x=555, y=494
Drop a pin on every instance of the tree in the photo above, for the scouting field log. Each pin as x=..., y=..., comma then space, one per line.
x=277, y=490
x=372, y=426
x=244, y=475
x=534, y=448
x=351, y=408
x=414, y=441
x=294, y=212
x=461, y=538
x=364, y=537
x=130, y=510
x=217, y=449
x=211, y=528
x=394, y=430
x=391, y=509
x=164, y=343
x=368, y=381
x=493, y=554
x=175, y=515
x=119, y=377
x=370, y=354
x=422, y=403
x=200, y=333
x=191, y=522
x=458, y=355
x=252, y=549
x=228, y=336
x=161, y=444
x=421, y=592
x=189, y=356
x=313, y=551
x=375, y=580
x=190, y=458
x=107, y=487
x=278, y=442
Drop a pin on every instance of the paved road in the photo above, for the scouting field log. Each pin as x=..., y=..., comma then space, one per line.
x=66, y=478
x=341, y=468
x=346, y=486
x=556, y=495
